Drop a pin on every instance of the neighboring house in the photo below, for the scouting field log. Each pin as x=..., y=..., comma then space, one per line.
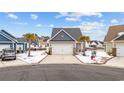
x=9, y=41
x=114, y=40
x=43, y=41
x=22, y=44
x=36, y=44
x=65, y=40
x=95, y=43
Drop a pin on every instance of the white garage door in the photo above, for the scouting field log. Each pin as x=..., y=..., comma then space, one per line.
x=120, y=49
x=62, y=48
x=4, y=46
x=19, y=46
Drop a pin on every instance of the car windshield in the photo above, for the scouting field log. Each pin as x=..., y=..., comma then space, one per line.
x=9, y=51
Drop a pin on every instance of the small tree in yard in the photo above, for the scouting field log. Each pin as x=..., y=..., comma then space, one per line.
x=84, y=39
x=30, y=37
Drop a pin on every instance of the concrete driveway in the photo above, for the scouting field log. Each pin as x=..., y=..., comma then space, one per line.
x=116, y=62
x=60, y=59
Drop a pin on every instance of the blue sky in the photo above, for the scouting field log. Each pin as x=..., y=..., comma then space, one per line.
x=92, y=24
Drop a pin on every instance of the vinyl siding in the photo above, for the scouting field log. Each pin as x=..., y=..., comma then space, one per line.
x=108, y=46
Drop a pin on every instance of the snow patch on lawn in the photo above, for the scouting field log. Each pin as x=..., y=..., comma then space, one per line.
x=99, y=53
x=84, y=59
x=36, y=56
x=101, y=56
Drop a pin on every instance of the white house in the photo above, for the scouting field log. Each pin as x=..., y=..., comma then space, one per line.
x=95, y=43
x=64, y=40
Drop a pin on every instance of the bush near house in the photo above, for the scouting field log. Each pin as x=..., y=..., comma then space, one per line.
x=109, y=52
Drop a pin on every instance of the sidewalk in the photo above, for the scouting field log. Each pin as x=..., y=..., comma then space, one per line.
x=12, y=63
x=116, y=62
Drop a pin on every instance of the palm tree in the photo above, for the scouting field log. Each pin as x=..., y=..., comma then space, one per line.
x=83, y=39
x=30, y=37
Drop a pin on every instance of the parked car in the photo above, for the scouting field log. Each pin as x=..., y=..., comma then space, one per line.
x=8, y=54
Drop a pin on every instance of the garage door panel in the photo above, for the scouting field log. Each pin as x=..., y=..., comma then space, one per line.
x=120, y=49
x=62, y=49
x=19, y=46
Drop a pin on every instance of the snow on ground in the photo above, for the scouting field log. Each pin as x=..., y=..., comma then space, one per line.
x=36, y=56
x=100, y=57
x=99, y=53
x=84, y=59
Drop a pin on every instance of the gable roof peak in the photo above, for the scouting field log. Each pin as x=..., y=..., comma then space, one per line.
x=113, y=32
x=73, y=32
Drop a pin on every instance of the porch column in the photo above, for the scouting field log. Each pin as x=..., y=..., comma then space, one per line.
x=14, y=46
x=23, y=47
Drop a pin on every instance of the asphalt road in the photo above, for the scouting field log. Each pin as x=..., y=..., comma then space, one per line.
x=61, y=72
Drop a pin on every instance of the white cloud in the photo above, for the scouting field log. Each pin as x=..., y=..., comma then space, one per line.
x=72, y=19
x=21, y=23
x=76, y=16
x=96, y=30
x=45, y=26
x=89, y=26
x=114, y=21
x=39, y=25
x=34, y=16
x=51, y=25
x=62, y=14
x=12, y=16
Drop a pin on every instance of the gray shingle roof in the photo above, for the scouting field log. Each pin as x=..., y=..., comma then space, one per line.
x=21, y=39
x=5, y=33
x=8, y=33
x=74, y=32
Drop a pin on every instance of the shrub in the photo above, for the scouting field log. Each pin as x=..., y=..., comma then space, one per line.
x=109, y=52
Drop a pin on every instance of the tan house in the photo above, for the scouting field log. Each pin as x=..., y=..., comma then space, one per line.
x=114, y=40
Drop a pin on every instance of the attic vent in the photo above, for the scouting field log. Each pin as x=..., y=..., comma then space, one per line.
x=121, y=33
x=62, y=36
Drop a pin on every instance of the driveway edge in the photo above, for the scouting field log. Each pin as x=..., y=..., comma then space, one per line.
x=78, y=59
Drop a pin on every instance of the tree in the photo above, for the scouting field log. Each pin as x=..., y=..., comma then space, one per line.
x=36, y=41
x=30, y=37
x=83, y=39
x=46, y=38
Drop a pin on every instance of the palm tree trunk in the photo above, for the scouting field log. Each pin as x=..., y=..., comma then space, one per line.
x=84, y=48
x=81, y=49
x=29, y=50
